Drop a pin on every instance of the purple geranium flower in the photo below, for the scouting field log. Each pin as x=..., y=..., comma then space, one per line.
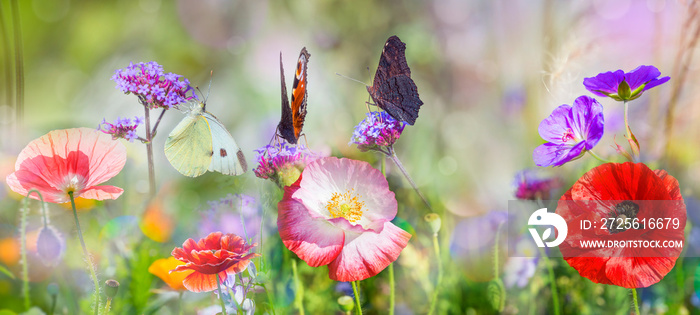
x=571, y=131
x=622, y=86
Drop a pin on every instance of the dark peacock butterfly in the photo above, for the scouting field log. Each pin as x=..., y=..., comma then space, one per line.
x=293, y=114
x=393, y=89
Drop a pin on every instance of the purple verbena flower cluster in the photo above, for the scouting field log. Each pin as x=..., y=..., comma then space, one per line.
x=121, y=128
x=376, y=131
x=154, y=88
x=282, y=163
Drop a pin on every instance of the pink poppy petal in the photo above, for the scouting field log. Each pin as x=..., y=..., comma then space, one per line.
x=365, y=255
x=102, y=192
x=23, y=181
x=315, y=241
x=326, y=176
x=107, y=156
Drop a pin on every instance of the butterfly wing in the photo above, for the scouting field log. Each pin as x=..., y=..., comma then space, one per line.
x=189, y=146
x=293, y=116
x=393, y=90
x=227, y=158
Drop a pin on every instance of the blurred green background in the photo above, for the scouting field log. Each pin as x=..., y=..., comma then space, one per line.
x=487, y=71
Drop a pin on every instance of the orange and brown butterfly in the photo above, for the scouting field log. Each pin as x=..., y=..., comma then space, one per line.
x=294, y=113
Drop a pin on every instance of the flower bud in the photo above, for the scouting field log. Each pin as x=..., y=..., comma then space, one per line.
x=111, y=288
x=346, y=303
x=50, y=246
x=496, y=292
x=434, y=222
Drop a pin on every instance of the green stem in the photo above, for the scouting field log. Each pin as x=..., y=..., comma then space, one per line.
x=496, y=276
x=221, y=295
x=108, y=304
x=627, y=125
x=356, y=292
x=149, y=153
x=408, y=177
x=299, y=296
x=438, y=258
x=598, y=157
x=392, y=283
x=88, y=259
x=270, y=298
x=392, y=290
x=636, y=303
x=552, y=281
x=23, y=251
x=179, y=302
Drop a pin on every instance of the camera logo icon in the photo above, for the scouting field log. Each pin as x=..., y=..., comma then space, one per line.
x=543, y=218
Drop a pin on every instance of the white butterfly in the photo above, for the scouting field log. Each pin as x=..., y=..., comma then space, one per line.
x=201, y=143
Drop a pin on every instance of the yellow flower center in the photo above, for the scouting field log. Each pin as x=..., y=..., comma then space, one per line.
x=346, y=205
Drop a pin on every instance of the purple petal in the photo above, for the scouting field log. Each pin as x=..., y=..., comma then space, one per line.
x=587, y=120
x=641, y=75
x=604, y=82
x=656, y=82
x=552, y=127
x=550, y=154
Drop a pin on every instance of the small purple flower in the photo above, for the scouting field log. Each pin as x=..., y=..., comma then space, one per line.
x=571, y=131
x=376, y=131
x=121, y=128
x=521, y=265
x=622, y=86
x=50, y=246
x=238, y=214
x=531, y=185
x=282, y=163
x=154, y=87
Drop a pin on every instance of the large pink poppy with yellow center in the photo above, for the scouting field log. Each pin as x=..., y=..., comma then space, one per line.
x=339, y=214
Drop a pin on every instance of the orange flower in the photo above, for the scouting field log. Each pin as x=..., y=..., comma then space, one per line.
x=217, y=254
x=161, y=268
x=71, y=160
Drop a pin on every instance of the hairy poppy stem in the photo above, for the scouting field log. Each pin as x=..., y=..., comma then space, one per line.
x=23, y=251
x=299, y=294
x=221, y=295
x=392, y=284
x=356, y=293
x=438, y=283
x=636, y=303
x=88, y=259
x=552, y=281
x=179, y=302
x=408, y=177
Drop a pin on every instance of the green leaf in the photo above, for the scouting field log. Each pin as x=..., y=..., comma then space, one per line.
x=7, y=273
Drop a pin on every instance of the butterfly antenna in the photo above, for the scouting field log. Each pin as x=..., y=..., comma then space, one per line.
x=306, y=142
x=351, y=79
x=211, y=78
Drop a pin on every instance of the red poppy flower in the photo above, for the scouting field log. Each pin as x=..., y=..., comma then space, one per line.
x=217, y=254
x=618, y=192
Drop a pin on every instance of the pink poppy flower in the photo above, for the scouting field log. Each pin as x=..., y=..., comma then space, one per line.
x=68, y=160
x=338, y=214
